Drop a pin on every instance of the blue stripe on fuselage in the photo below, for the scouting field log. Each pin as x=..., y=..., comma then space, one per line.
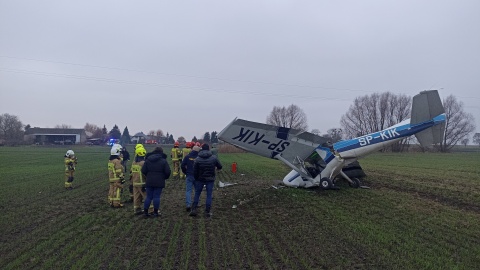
x=293, y=177
x=387, y=134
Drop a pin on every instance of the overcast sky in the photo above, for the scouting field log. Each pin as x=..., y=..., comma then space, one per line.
x=188, y=67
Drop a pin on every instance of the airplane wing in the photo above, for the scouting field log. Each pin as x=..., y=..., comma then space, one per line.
x=270, y=141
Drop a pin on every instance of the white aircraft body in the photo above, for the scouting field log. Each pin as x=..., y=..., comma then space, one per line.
x=300, y=150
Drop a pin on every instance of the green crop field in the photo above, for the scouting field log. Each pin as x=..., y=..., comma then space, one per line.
x=422, y=211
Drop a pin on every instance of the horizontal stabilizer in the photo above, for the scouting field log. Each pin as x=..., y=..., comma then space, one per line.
x=427, y=106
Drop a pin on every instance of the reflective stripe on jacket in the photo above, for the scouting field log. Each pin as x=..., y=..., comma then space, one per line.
x=115, y=170
x=136, y=172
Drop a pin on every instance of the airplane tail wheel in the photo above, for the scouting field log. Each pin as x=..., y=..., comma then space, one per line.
x=355, y=184
x=326, y=183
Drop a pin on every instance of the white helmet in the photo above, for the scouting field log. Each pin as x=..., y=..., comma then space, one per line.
x=69, y=153
x=115, y=151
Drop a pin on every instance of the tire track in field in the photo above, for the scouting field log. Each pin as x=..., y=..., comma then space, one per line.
x=448, y=201
x=186, y=247
x=217, y=232
x=116, y=221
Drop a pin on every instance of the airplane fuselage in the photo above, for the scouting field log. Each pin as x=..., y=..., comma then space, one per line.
x=364, y=145
x=348, y=151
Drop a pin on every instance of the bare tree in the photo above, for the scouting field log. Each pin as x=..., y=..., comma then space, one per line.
x=181, y=140
x=289, y=117
x=465, y=141
x=64, y=126
x=315, y=131
x=95, y=130
x=160, y=136
x=376, y=112
x=335, y=134
x=11, y=128
x=459, y=124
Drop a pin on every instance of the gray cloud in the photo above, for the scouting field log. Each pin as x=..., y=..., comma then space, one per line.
x=190, y=67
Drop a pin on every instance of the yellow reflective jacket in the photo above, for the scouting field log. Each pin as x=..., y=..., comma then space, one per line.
x=176, y=153
x=186, y=151
x=136, y=173
x=115, y=170
x=70, y=163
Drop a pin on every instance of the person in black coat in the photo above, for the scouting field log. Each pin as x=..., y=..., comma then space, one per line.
x=204, y=174
x=187, y=169
x=125, y=158
x=156, y=170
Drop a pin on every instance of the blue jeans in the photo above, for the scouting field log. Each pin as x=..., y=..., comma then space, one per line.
x=153, y=193
x=198, y=191
x=188, y=191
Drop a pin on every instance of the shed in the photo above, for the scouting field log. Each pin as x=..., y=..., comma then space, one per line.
x=55, y=135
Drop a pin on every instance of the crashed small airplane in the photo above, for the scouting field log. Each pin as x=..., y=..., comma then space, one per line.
x=314, y=162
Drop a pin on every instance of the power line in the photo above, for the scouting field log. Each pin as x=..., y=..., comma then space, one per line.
x=189, y=76
x=100, y=79
x=200, y=77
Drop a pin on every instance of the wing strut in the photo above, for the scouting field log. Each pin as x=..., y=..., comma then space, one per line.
x=295, y=168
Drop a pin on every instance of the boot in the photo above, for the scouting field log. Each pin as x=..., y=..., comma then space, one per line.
x=208, y=213
x=193, y=212
x=155, y=213
x=145, y=213
x=137, y=211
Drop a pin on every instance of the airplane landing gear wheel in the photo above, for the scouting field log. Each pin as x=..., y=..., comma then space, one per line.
x=355, y=184
x=326, y=183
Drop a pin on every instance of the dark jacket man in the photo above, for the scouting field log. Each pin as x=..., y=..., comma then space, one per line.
x=188, y=161
x=156, y=169
x=125, y=154
x=204, y=167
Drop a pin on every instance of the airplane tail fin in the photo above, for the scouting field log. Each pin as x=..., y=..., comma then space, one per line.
x=427, y=106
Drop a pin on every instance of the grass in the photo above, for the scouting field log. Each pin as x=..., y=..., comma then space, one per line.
x=422, y=211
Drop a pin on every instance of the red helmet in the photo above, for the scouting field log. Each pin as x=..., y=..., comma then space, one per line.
x=188, y=144
x=176, y=143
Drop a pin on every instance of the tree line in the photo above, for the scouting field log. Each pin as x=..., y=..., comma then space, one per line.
x=367, y=114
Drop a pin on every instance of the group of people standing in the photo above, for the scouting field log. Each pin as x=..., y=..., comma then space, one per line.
x=148, y=174
x=199, y=167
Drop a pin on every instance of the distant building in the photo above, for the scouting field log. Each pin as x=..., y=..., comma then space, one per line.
x=55, y=135
x=140, y=137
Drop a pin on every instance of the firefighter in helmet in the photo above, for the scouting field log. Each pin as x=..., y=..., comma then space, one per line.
x=70, y=162
x=138, y=145
x=116, y=177
x=137, y=179
x=176, y=156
